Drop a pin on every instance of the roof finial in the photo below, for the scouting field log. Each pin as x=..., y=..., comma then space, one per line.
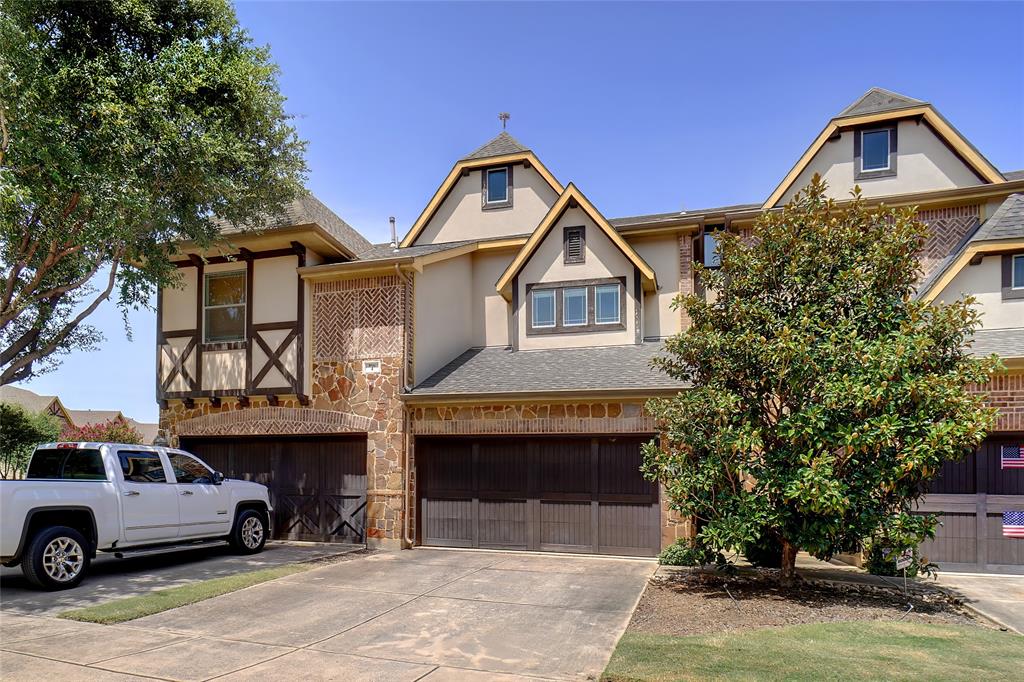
x=504, y=116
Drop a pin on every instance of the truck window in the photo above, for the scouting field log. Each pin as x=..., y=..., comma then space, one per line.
x=80, y=464
x=188, y=469
x=140, y=466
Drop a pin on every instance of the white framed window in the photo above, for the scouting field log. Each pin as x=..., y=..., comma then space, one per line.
x=1017, y=272
x=574, y=306
x=543, y=308
x=497, y=186
x=606, y=304
x=874, y=150
x=224, y=307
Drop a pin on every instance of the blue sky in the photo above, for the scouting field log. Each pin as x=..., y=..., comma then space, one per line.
x=646, y=107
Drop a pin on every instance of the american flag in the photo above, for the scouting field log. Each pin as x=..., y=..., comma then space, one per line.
x=1010, y=457
x=1013, y=524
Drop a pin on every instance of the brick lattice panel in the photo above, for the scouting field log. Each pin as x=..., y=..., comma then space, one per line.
x=947, y=227
x=264, y=421
x=532, y=419
x=685, y=274
x=358, y=318
x=1006, y=393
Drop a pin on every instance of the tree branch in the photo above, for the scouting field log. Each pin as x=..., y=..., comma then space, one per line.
x=21, y=366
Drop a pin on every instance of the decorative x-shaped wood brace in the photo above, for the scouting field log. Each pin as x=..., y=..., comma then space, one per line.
x=178, y=367
x=274, y=359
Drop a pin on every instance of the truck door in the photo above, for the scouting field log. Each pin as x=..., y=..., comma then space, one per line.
x=149, y=502
x=202, y=505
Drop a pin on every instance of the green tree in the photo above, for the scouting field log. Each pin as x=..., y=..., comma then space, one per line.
x=125, y=125
x=20, y=432
x=825, y=395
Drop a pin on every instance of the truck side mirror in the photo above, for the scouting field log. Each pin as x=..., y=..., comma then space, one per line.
x=218, y=478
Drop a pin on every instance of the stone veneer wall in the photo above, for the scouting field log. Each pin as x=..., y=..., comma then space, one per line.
x=1006, y=392
x=547, y=418
x=353, y=320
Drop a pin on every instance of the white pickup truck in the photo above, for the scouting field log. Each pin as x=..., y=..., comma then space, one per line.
x=78, y=499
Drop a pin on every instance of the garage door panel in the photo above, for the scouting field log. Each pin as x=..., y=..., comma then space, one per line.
x=956, y=540
x=564, y=466
x=1001, y=549
x=449, y=469
x=317, y=485
x=566, y=525
x=501, y=467
x=448, y=522
x=502, y=524
x=627, y=528
x=619, y=460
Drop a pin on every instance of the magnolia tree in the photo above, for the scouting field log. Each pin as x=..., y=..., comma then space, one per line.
x=20, y=432
x=825, y=396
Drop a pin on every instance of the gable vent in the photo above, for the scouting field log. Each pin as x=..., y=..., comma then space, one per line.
x=575, y=243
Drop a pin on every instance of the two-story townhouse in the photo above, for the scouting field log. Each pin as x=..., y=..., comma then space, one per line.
x=482, y=383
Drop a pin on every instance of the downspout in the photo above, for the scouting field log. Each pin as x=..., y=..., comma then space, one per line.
x=406, y=468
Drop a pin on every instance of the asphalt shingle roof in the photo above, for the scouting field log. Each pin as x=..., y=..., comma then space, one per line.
x=500, y=145
x=1006, y=223
x=29, y=400
x=1006, y=343
x=877, y=100
x=497, y=370
x=307, y=210
x=1014, y=175
x=646, y=220
x=386, y=251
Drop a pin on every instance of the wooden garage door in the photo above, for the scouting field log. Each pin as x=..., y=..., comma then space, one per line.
x=317, y=485
x=545, y=494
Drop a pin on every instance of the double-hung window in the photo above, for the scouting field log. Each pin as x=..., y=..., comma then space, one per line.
x=1013, y=276
x=543, y=301
x=224, y=307
x=606, y=304
x=574, y=306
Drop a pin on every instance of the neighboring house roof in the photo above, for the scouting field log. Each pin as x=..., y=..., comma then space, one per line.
x=31, y=401
x=1014, y=175
x=499, y=146
x=567, y=197
x=1006, y=343
x=652, y=219
x=879, y=105
x=148, y=431
x=496, y=370
x=84, y=417
x=308, y=210
x=1003, y=231
x=473, y=162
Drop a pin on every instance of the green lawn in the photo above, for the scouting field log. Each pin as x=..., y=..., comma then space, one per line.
x=130, y=608
x=828, y=651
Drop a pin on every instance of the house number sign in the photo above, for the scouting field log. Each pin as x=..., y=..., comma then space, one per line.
x=371, y=366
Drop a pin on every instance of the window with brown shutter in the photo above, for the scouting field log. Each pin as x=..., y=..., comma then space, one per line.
x=575, y=245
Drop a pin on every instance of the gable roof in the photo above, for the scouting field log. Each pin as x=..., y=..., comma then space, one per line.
x=29, y=400
x=565, y=199
x=308, y=210
x=482, y=158
x=878, y=100
x=1003, y=231
x=500, y=145
x=879, y=105
x=85, y=417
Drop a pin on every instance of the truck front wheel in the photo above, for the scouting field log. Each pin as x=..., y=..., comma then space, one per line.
x=250, y=532
x=57, y=558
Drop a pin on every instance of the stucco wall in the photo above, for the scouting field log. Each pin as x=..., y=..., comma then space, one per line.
x=984, y=282
x=662, y=254
x=923, y=162
x=603, y=259
x=491, y=312
x=443, y=314
x=178, y=304
x=223, y=370
x=274, y=289
x=461, y=216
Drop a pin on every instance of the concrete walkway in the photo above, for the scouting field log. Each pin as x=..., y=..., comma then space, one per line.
x=997, y=597
x=423, y=614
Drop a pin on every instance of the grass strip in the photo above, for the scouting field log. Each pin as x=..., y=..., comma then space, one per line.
x=864, y=650
x=130, y=608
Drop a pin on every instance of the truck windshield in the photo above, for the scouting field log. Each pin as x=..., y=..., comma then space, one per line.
x=67, y=463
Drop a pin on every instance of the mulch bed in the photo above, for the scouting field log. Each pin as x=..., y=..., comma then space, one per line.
x=700, y=603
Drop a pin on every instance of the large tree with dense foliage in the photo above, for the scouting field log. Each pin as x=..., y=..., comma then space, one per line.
x=20, y=432
x=825, y=396
x=124, y=125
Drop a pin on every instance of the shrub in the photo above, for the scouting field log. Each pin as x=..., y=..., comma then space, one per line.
x=20, y=432
x=688, y=552
x=881, y=560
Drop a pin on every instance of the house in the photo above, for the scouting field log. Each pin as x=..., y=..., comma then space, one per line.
x=482, y=383
x=51, y=404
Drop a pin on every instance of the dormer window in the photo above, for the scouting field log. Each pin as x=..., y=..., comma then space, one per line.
x=575, y=245
x=874, y=151
x=497, y=189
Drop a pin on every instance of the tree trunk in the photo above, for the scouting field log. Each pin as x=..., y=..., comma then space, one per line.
x=789, y=551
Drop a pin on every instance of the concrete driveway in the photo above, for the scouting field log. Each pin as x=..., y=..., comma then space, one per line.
x=999, y=597
x=111, y=578
x=423, y=614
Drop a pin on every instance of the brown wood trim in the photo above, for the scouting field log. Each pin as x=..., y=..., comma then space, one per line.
x=889, y=172
x=200, y=315
x=194, y=260
x=508, y=189
x=159, y=340
x=250, y=275
x=515, y=313
x=225, y=345
x=176, y=334
x=566, y=232
x=273, y=326
x=300, y=323
x=638, y=305
x=274, y=359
